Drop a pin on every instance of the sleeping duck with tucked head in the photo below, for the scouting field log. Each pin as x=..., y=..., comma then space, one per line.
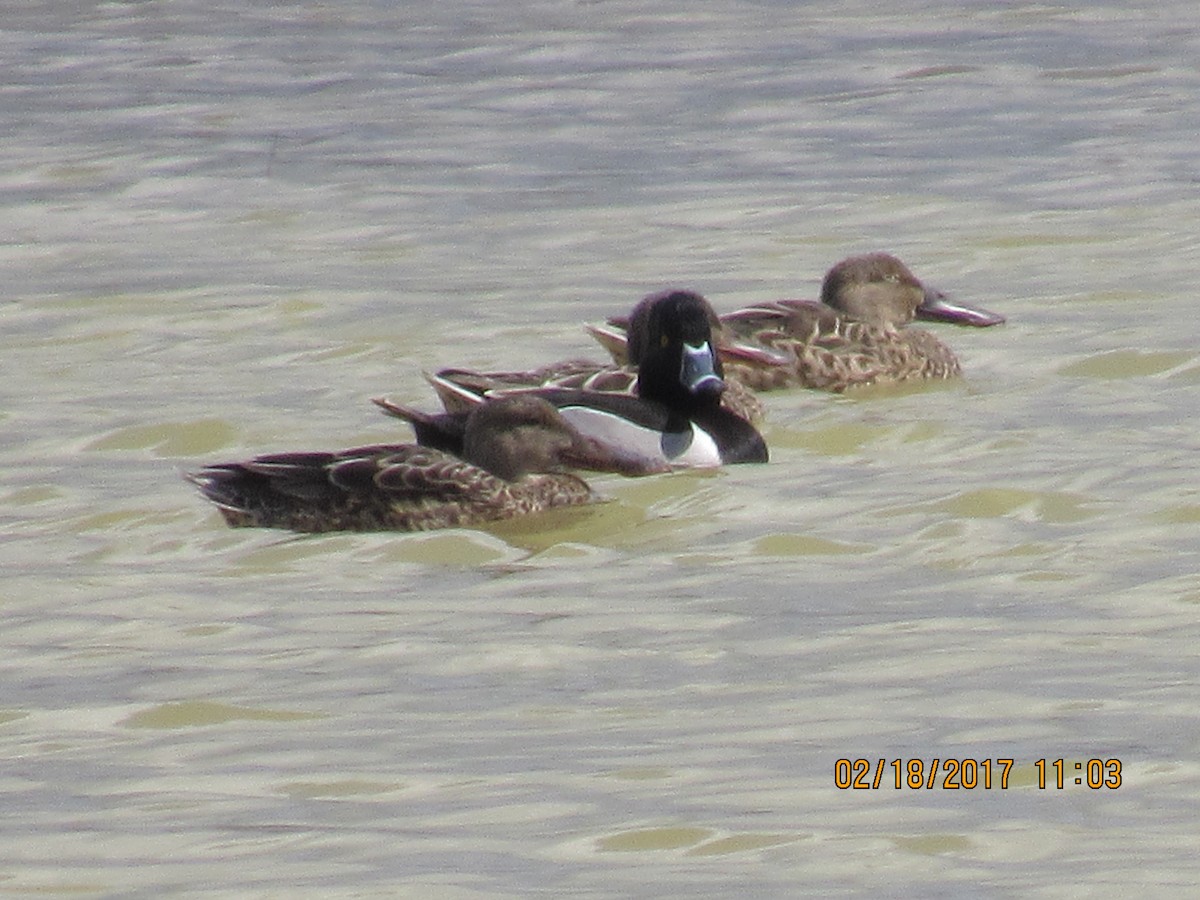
x=855, y=334
x=513, y=460
x=673, y=412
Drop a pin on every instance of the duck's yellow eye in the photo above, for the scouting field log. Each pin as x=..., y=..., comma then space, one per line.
x=663, y=341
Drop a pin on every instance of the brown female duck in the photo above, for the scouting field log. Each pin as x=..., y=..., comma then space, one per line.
x=854, y=335
x=514, y=453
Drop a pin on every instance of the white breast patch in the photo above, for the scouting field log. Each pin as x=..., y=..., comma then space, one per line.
x=692, y=448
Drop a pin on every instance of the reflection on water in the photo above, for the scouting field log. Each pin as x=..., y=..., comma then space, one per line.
x=227, y=229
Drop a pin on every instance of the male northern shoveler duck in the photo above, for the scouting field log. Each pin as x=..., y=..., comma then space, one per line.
x=513, y=456
x=674, y=416
x=854, y=335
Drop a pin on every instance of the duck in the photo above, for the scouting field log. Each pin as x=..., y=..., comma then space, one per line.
x=589, y=375
x=666, y=406
x=854, y=335
x=513, y=461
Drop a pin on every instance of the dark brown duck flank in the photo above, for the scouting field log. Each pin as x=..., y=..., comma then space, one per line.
x=855, y=334
x=514, y=452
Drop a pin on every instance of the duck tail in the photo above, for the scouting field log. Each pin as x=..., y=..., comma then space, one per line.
x=441, y=431
x=613, y=339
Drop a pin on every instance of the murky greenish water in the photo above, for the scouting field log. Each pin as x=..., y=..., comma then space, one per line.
x=225, y=227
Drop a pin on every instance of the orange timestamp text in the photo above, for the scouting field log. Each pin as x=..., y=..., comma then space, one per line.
x=954, y=773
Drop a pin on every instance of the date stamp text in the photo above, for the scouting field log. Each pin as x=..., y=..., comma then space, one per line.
x=955, y=774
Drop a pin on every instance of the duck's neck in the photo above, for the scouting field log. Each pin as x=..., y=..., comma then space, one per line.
x=665, y=387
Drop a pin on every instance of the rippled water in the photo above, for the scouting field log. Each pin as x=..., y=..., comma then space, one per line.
x=226, y=228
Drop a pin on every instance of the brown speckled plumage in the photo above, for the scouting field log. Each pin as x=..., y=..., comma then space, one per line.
x=583, y=375
x=855, y=335
x=832, y=352
x=517, y=448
